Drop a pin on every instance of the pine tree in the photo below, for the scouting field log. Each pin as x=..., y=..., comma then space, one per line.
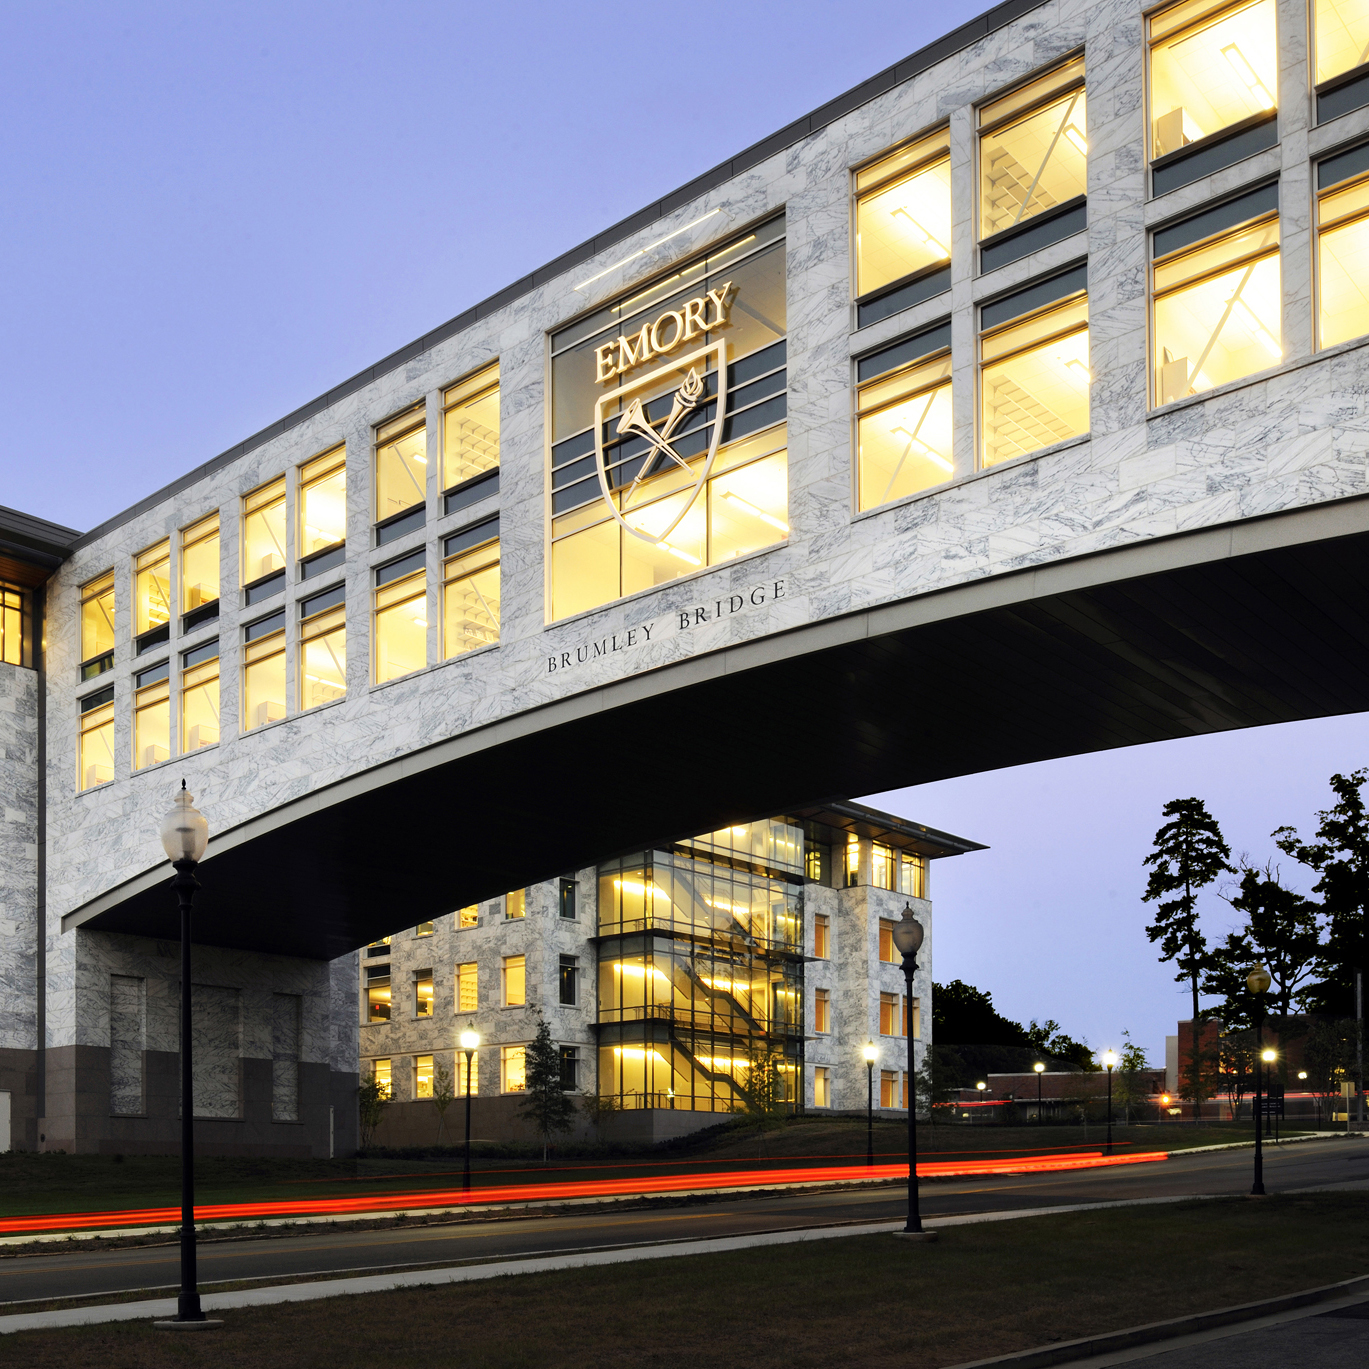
x=1189, y=854
x=546, y=1103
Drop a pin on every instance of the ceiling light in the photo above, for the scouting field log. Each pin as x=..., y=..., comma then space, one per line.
x=1077, y=138
x=747, y=507
x=1246, y=72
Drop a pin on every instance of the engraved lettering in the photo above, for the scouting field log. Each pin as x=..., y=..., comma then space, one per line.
x=646, y=628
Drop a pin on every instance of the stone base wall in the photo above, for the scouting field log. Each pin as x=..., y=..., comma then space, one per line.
x=19, y=1078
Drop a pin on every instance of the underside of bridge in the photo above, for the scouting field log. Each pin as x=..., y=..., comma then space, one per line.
x=1263, y=621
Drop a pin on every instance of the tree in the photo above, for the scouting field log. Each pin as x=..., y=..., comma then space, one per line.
x=1284, y=930
x=1329, y=1054
x=1236, y=1067
x=443, y=1093
x=1050, y=1040
x=765, y=1093
x=597, y=1107
x=965, y=1016
x=938, y=1081
x=372, y=1098
x=1189, y=853
x=1130, y=1091
x=545, y=1102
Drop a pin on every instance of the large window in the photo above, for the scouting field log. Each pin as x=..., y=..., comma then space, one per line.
x=423, y=1076
x=822, y=932
x=377, y=1007
x=822, y=1010
x=822, y=1087
x=382, y=1075
x=263, y=671
x=912, y=874
x=200, y=697
x=423, y=993
x=200, y=564
x=1342, y=36
x=1343, y=248
x=323, y=502
x=97, y=626
x=152, y=716
x=467, y=1073
x=515, y=981
x=903, y=424
x=152, y=589
x=96, y=751
x=513, y=1069
x=401, y=617
x=1217, y=299
x=888, y=1014
x=1210, y=67
x=470, y=589
x=470, y=428
x=1034, y=368
x=635, y=411
x=401, y=464
x=468, y=987
x=263, y=536
x=11, y=625
x=323, y=648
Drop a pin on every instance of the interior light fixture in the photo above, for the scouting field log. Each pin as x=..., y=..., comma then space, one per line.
x=1079, y=366
x=923, y=449
x=1241, y=66
x=927, y=240
x=748, y=507
x=1075, y=136
x=642, y=251
x=683, y=555
x=1264, y=336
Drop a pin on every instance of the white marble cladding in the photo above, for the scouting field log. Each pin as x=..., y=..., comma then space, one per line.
x=1294, y=436
x=18, y=857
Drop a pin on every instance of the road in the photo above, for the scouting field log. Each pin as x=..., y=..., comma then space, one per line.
x=80, y=1274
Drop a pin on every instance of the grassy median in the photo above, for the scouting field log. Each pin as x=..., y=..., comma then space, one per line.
x=981, y=1290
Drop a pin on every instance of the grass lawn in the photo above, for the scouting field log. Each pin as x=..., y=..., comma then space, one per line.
x=31, y=1182
x=981, y=1290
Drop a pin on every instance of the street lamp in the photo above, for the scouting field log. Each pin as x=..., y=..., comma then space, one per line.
x=1268, y=1055
x=908, y=935
x=185, y=834
x=871, y=1053
x=470, y=1039
x=1040, y=1068
x=1258, y=982
x=1110, y=1060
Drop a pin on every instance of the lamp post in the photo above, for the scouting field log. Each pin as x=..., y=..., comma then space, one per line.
x=1040, y=1068
x=908, y=936
x=470, y=1039
x=871, y=1053
x=1110, y=1061
x=1258, y=982
x=185, y=834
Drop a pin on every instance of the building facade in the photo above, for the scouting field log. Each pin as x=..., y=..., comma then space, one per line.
x=1075, y=283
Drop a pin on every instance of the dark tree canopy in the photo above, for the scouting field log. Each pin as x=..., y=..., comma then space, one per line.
x=965, y=1016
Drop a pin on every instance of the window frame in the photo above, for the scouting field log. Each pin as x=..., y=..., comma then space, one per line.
x=405, y=423
x=396, y=599
x=256, y=503
x=484, y=380
x=95, y=589
x=1320, y=194
x=307, y=475
x=144, y=700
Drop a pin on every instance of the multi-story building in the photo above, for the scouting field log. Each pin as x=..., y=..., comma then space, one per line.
x=748, y=965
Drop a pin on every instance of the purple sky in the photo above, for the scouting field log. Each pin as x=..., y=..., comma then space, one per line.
x=212, y=214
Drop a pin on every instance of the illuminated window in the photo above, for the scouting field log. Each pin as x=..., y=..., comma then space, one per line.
x=903, y=214
x=822, y=1087
x=401, y=463
x=882, y=866
x=423, y=993
x=323, y=502
x=467, y=987
x=378, y=993
x=401, y=617
x=469, y=916
x=822, y=930
x=822, y=1010
x=1217, y=302
x=1034, y=372
x=470, y=589
x=852, y=860
x=513, y=1069
x=423, y=1076
x=917, y=1019
x=97, y=625
x=381, y=947
x=1033, y=150
x=200, y=697
x=97, y=739
x=12, y=625
x=467, y=1075
x=1342, y=36
x=516, y=903
x=424, y=929
x=888, y=1088
x=200, y=564
x=515, y=981
x=1209, y=69
x=152, y=716
x=382, y=1075
x=323, y=648
x=570, y=980
x=263, y=671
x=152, y=589
x=1343, y=248
x=263, y=532
x=470, y=427
x=887, y=953
x=912, y=874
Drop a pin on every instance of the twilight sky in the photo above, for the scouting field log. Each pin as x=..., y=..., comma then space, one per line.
x=214, y=213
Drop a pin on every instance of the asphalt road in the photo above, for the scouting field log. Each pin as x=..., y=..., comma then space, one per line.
x=29, y=1277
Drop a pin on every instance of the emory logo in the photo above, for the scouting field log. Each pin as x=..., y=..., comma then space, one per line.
x=674, y=328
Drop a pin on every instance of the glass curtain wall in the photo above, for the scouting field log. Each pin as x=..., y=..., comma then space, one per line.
x=1341, y=36
x=903, y=214
x=1342, y=260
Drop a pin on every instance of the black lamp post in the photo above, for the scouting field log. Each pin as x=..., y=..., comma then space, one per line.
x=1040, y=1069
x=470, y=1039
x=908, y=935
x=185, y=834
x=1258, y=982
x=1110, y=1060
x=871, y=1053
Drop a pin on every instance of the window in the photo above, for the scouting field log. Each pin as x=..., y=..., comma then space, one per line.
x=852, y=860
x=822, y=1010
x=888, y=1088
x=152, y=715
x=1210, y=68
x=903, y=1016
x=263, y=533
x=12, y=625
x=888, y=1010
x=152, y=590
x=468, y=917
x=1033, y=159
x=917, y=1019
x=570, y=980
x=423, y=929
x=516, y=903
x=323, y=502
x=1341, y=35
x=470, y=428
x=97, y=739
x=882, y=866
x=200, y=697
x=200, y=564
x=822, y=1087
x=263, y=671
x=1342, y=247
x=567, y=900
x=1034, y=374
x=912, y=875
x=97, y=626
x=401, y=464
x=1217, y=299
x=423, y=1076
x=903, y=423
x=887, y=953
x=401, y=617
x=423, y=993
x=378, y=993
x=822, y=931
x=323, y=648
x=382, y=1074
x=381, y=947
x=903, y=224
x=515, y=981
x=570, y=1068
x=467, y=1074
x=470, y=589
x=513, y=1069
x=817, y=862
x=468, y=987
